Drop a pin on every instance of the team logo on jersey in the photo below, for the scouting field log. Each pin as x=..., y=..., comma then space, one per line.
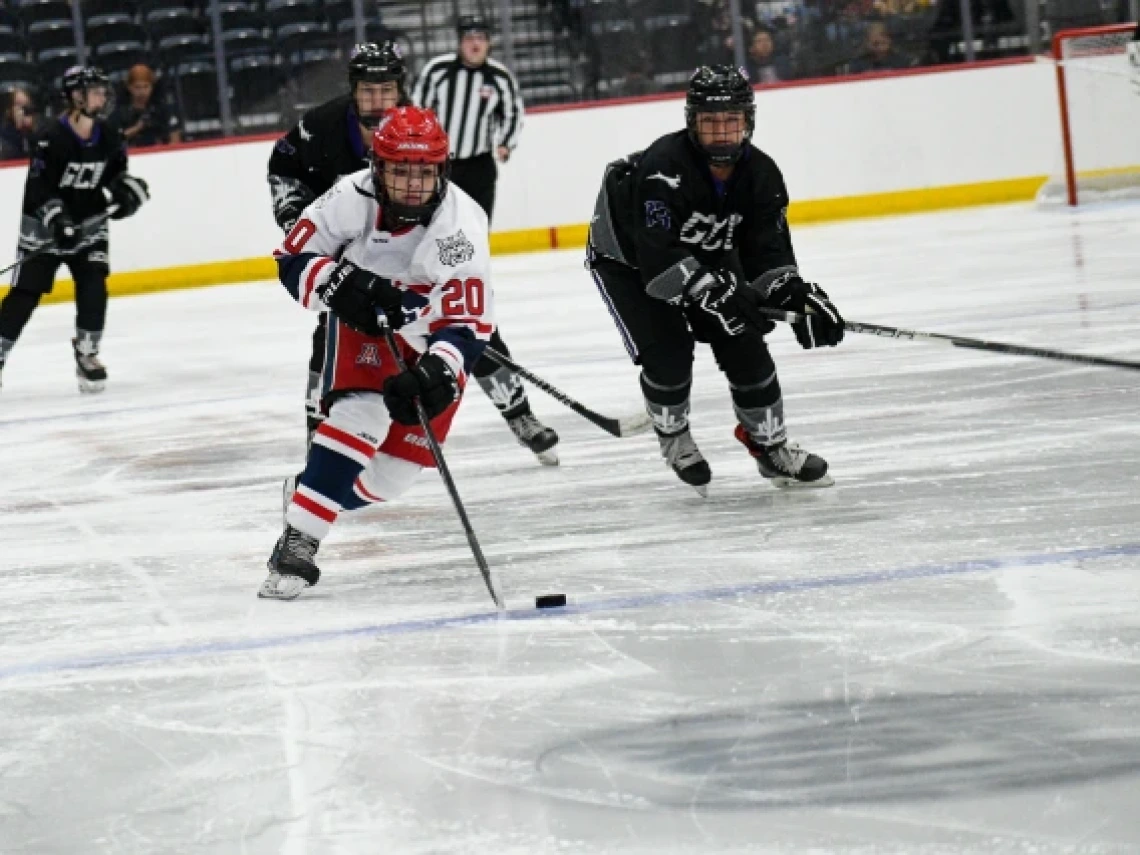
x=657, y=215
x=82, y=176
x=369, y=354
x=709, y=233
x=455, y=250
x=674, y=181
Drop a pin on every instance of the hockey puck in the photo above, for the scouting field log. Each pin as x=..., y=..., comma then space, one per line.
x=550, y=601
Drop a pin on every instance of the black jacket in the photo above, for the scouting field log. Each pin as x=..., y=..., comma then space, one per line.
x=324, y=146
x=660, y=211
x=71, y=172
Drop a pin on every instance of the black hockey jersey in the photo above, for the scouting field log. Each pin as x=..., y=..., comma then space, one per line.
x=661, y=210
x=72, y=171
x=324, y=146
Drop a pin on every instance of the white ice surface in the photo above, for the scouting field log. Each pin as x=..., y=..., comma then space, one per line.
x=940, y=654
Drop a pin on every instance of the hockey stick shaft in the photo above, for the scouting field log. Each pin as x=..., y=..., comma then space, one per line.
x=614, y=427
x=445, y=474
x=961, y=341
x=89, y=223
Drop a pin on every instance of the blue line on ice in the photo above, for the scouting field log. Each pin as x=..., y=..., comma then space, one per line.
x=610, y=604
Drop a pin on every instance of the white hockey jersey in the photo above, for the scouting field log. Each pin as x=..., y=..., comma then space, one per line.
x=444, y=268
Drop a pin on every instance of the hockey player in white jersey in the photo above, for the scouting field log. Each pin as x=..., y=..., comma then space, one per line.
x=393, y=241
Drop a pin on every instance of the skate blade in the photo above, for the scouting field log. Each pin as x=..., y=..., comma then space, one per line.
x=92, y=387
x=702, y=490
x=547, y=458
x=278, y=587
x=792, y=484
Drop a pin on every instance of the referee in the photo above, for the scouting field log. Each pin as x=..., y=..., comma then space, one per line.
x=478, y=103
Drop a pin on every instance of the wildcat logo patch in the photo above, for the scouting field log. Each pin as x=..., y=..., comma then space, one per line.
x=455, y=250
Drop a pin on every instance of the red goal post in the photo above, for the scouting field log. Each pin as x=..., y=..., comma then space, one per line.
x=1100, y=115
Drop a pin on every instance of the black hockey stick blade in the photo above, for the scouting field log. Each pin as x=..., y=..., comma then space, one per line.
x=445, y=474
x=961, y=341
x=623, y=427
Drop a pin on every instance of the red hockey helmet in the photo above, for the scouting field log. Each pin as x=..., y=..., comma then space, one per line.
x=409, y=135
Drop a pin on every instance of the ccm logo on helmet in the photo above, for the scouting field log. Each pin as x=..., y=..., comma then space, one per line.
x=414, y=146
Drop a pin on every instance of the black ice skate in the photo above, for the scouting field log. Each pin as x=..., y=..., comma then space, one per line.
x=534, y=435
x=786, y=465
x=683, y=457
x=291, y=566
x=91, y=372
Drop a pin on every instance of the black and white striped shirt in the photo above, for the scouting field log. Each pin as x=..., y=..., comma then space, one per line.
x=480, y=108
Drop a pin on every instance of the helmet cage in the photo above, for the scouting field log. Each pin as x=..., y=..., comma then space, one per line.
x=373, y=63
x=79, y=80
x=720, y=89
x=398, y=214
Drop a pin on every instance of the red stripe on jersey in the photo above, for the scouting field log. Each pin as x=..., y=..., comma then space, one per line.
x=307, y=293
x=479, y=326
x=305, y=503
x=345, y=438
x=417, y=288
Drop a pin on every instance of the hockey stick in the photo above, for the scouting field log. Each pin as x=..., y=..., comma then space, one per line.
x=628, y=426
x=444, y=472
x=84, y=226
x=959, y=341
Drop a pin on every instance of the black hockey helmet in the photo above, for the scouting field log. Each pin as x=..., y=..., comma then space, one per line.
x=720, y=89
x=469, y=24
x=377, y=63
x=80, y=78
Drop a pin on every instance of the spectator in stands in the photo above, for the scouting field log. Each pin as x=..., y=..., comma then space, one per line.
x=142, y=117
x=764, y=64
x=714, y=22
x=18, y=128
x=879, y=53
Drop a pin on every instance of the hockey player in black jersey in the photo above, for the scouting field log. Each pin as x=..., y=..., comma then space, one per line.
x=686, y=238
x=329, y=142
x=78, y=170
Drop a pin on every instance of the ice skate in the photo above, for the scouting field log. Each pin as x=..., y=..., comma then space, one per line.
x=684, y=458
x=91, y=372
x=786, y=464
x=291, y=566
x=534, y=435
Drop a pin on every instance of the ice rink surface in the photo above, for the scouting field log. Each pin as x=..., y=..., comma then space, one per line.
x=941, y=654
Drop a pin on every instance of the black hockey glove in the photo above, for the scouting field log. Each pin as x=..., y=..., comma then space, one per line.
x=713, y=306
x=786, y=290
x=129, y=193
x=430, y=380
x=64, y=232
x=390, y=300
x=349, y=292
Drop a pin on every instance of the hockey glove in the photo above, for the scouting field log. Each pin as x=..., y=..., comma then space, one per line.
x=712, y=305
x=389, y=299
x=431, y=380
x=349, y=294
x=824, y=325
x=129, y=193
x=64, y=232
